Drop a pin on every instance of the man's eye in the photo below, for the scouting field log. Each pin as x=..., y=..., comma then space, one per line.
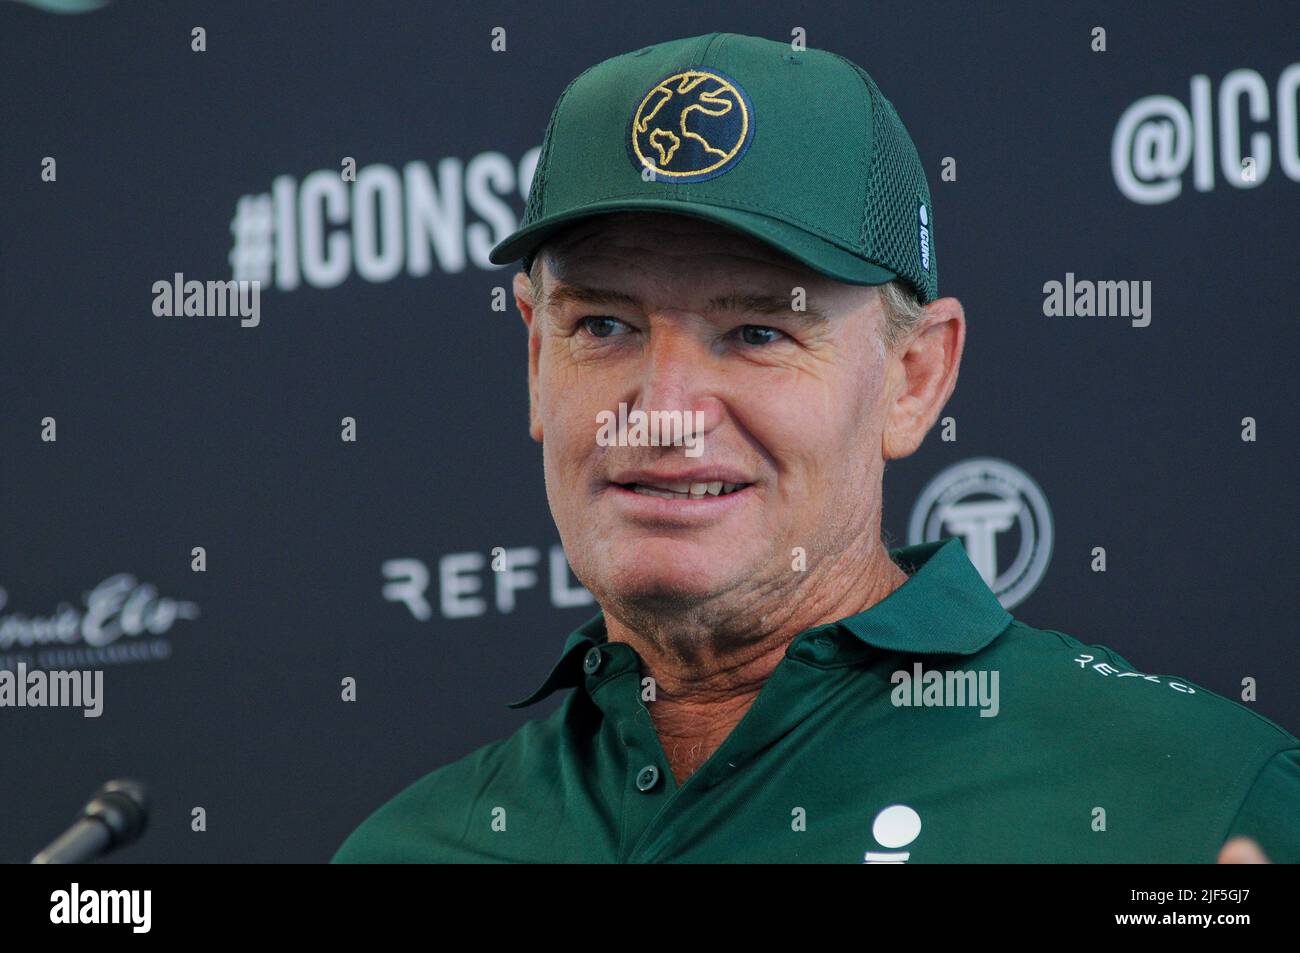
x=759, y=334
x=602, y=327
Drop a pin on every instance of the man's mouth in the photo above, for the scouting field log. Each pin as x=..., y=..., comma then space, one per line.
x=684, y=491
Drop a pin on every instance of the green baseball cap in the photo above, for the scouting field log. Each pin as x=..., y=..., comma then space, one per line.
x=797, y=148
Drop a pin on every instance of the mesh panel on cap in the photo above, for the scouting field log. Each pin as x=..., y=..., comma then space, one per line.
x=537, y=190
x=896, y=187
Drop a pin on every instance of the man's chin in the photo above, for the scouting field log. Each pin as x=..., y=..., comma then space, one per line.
x=654, y=586
x=663, y=570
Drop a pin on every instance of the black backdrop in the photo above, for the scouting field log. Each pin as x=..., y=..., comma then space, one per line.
x=180, y=432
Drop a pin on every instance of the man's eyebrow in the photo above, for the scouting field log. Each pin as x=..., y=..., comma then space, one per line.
x=771, y=305
x=565, y=293
x=776, y=306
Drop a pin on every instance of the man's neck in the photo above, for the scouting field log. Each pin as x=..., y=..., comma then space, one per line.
x=704, y=686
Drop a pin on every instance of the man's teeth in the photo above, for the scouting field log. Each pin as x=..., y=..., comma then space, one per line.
x=674, y=491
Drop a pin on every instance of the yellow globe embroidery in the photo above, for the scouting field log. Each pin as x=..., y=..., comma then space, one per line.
x=685, y=106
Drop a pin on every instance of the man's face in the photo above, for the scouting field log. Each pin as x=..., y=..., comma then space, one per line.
x=670, y=313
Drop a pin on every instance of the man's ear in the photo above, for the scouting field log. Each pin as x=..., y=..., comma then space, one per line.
x=921, y=377
x=527, y=310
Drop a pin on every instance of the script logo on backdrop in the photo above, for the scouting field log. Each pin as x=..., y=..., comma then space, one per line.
x=995, y=508
x=123, y=620
x=1157, y=137
x=376, y=221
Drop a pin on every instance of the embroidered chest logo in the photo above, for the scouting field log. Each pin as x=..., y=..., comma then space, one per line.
x=894, y=827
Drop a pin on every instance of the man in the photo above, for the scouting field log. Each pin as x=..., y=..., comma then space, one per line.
x=740, y=235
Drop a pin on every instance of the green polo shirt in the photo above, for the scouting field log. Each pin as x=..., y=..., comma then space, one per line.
x=932, y=727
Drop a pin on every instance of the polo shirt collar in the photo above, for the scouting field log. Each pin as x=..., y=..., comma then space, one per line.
x=944, y=607
x=567, y=671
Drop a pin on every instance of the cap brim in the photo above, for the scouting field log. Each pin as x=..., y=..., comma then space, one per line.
x=819, y=254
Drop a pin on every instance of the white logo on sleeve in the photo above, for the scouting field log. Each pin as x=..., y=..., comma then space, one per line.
x=896, y=826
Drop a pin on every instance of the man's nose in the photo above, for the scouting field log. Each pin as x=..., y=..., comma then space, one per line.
x=679, y=372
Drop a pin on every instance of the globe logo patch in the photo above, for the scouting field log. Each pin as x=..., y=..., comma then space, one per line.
x=691, y=126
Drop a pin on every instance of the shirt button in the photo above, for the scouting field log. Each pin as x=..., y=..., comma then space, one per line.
x=647, y=777
x=591, y=661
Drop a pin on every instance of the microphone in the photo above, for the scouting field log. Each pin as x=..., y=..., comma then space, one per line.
x=115, y=816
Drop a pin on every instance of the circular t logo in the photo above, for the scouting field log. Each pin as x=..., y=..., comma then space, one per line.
x=998, y=511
